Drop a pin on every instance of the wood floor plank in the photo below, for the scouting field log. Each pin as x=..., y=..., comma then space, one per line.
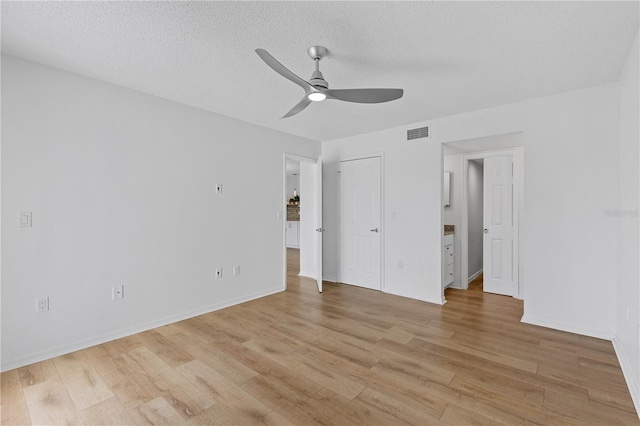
x=456, y=415
x=107, y=412
x=348, y=355
x=222, y=363
x=156, y=412
x=163, y=347
x=18, y=419
x=124, y=387
x=188, y=401
x=50, y=404
x=12, y=401
x=87, y=388
x=321, y=371
x=37, y=373
x=416, y=397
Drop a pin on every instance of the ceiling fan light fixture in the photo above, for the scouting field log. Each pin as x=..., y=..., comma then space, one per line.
x=316, y=96
x=317, y=88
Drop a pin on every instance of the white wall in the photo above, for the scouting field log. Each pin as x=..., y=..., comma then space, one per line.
x=121, y=184
x=628, y=231
x=475, y=215
x=307, y=220
x=452, y=215
x=568, y=245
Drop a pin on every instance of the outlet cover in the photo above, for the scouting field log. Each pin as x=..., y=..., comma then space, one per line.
x=42, y=304
x=24, y=220
x=117, y=292
x=219, y=273
x=236, y=270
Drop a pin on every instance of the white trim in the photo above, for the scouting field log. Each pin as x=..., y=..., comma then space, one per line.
x=571, y=328
x=383, y=227
x=473, y=277
x=632, y=380
x=107, y=337
x=518, y=163
x=423, y=299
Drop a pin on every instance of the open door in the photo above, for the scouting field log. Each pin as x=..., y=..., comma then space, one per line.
x=318, y=220
x=498, y=241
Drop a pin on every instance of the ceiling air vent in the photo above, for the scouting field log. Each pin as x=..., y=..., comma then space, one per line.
x=421, y=132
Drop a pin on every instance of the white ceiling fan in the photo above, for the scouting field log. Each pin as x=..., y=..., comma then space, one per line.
x=317, y=88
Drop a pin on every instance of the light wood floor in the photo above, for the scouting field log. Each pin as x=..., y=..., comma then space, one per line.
x=346, y=356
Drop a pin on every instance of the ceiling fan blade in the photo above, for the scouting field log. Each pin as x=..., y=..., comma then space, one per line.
x=364, y=96
x=304, y=102
x=282, y=70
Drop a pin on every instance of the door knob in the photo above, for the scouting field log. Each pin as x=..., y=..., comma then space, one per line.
x=486, y=231
x=374, y=230
x=319, y=230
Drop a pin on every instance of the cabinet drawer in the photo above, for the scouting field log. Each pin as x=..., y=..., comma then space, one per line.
x=448, y=254
x=448, y=275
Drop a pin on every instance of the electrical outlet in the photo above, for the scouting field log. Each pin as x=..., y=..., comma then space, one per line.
x=219, y=273
x=236, y=270
x=24, y=220
x=117, y=292
x=42, y=304
x=218, y=188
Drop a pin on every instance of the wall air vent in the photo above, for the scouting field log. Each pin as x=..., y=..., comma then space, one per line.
x=421, y=132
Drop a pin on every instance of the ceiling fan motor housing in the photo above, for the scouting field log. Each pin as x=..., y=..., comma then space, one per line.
x=317, y=80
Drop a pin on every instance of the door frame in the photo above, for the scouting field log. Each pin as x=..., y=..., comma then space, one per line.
x=518, y=206
x=283, y=212
x=382, y=215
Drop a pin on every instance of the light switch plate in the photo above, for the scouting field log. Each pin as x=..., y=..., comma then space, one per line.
x=24, y=220
x=117, y=292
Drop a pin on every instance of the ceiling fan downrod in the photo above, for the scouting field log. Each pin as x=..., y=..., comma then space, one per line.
x=317, y=79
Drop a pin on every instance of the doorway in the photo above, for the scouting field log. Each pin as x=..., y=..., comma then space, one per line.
x=302, y=221
x=475, y=210
x=467, y=161
x=502, y=196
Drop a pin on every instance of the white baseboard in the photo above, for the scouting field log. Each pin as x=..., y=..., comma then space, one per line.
x=440, y=301
x=571, y=328
x=330, y=279
x=632, y=380
x=87, y=343
x=474, y=276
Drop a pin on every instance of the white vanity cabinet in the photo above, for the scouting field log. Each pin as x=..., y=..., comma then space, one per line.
x=293, y=234
x=447, y=260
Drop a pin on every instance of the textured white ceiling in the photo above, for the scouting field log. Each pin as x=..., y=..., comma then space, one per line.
x=450, y=57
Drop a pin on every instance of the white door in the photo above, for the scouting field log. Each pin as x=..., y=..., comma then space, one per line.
x=498, y=249
x=360, y=222
x=318, y=220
